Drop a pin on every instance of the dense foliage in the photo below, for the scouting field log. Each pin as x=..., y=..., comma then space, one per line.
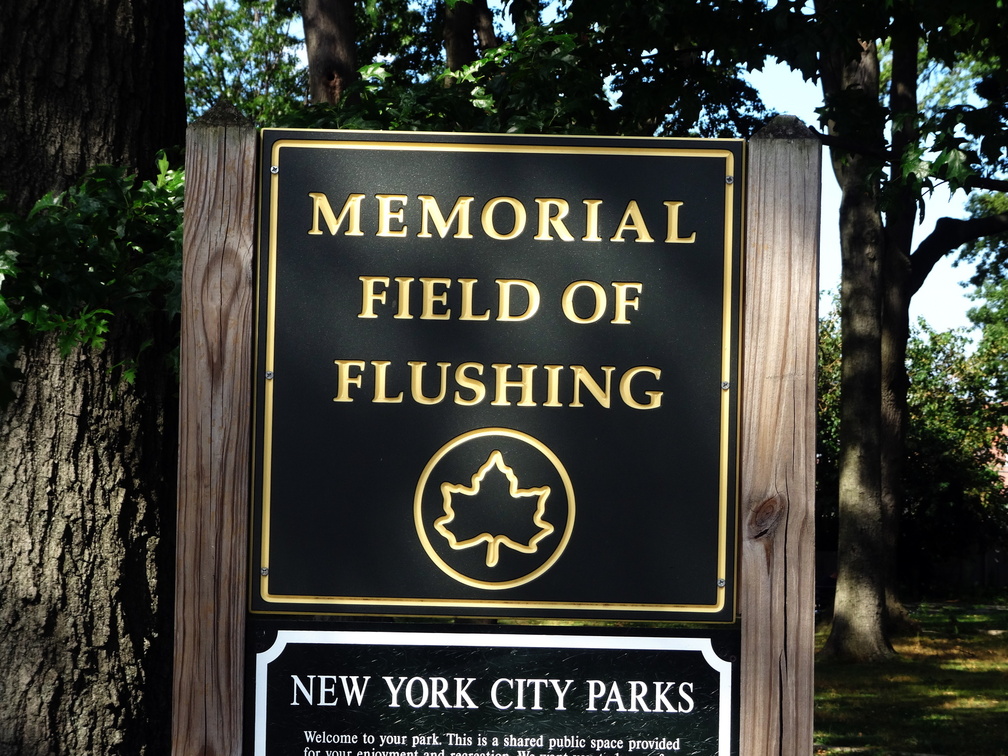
x=655, y=68
x=989, y=253
x=241, y=50
x=956, y=502
x=108, y=247
x=533, y=83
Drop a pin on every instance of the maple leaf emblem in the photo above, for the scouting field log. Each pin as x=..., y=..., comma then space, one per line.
x=494, y=502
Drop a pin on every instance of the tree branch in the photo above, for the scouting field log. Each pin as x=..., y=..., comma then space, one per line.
x=949, y=234
x=989, y=184
x=886, y=156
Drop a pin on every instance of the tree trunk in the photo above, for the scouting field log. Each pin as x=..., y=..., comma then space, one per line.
x=900, y=219
x=895, y=385
x=483, y=24
x=87, y=463
x=84, y=82
x=330, y=39
x=87, y=472
x=524, y=13
x=858, y=613
x=465, y=25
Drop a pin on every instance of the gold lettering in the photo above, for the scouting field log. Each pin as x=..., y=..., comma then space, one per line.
x=591, y=220
x=430, y=299
x=386, y=214
x=567, y=301
x=655, y=397
x=672, y=236
x=381, y=382
x=552, y=385
x=552, y=211
x=403, y=297
x=487, y=218
x=429, y=210
x=504, y=286
x=583, y=378
x=345, y=380
x=416, y=382
x=351, y=210
x=369, y=296
x=467, y=301
x=623, y=301
x=472, y=384
x=632, y=221
x=503, y=384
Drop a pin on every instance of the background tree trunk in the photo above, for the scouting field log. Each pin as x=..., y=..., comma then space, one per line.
x=330, y=40
x=858, y=630
x=524, y=13
x=467, y=24
x=86, y=462
x=900, y=220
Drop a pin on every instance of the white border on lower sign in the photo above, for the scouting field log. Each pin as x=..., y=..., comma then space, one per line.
x=483, y=640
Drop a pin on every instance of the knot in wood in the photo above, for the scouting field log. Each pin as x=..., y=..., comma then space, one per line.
x=764, y=518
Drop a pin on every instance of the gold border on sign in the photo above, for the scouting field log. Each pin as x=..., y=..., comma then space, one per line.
x=733, y=179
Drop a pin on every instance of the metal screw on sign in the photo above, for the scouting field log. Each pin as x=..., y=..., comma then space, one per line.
x=264, y=571
x=721, y=583
x=274, y=169
x=725, y=385
x=729, y=179
x=269, y=375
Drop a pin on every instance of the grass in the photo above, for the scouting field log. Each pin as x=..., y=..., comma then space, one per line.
x=946, y=693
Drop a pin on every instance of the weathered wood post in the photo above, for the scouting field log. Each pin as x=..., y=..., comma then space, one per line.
x=214, y=442
x=777, y=440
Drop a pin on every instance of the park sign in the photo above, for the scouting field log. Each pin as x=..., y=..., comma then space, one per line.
x=496, y=376
x=455, y=690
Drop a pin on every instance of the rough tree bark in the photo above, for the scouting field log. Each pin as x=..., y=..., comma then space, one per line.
x=330, y=39
x=87, y=462
x=86, y=470
x=84, y=82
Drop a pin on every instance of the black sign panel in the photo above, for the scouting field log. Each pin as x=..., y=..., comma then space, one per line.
x=422, y=693
x=497, y=376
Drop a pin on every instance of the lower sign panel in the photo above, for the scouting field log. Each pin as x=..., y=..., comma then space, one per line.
x=408, y=693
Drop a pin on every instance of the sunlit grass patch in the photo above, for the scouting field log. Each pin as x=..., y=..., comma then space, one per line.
x=946, y=693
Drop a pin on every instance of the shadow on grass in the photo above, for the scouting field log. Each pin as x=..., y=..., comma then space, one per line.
x=947, y=692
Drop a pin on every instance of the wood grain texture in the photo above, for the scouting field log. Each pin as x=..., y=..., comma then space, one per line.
x=777, y=440
x=214, y=438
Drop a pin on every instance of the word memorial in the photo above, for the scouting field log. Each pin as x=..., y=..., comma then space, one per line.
x=425, y=693
x=496, y=376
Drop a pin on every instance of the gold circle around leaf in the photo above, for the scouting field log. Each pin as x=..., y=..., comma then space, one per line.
x=422, y=485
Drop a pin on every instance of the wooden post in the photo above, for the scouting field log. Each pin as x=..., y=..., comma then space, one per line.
x=777, y=440
x=215, y=400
